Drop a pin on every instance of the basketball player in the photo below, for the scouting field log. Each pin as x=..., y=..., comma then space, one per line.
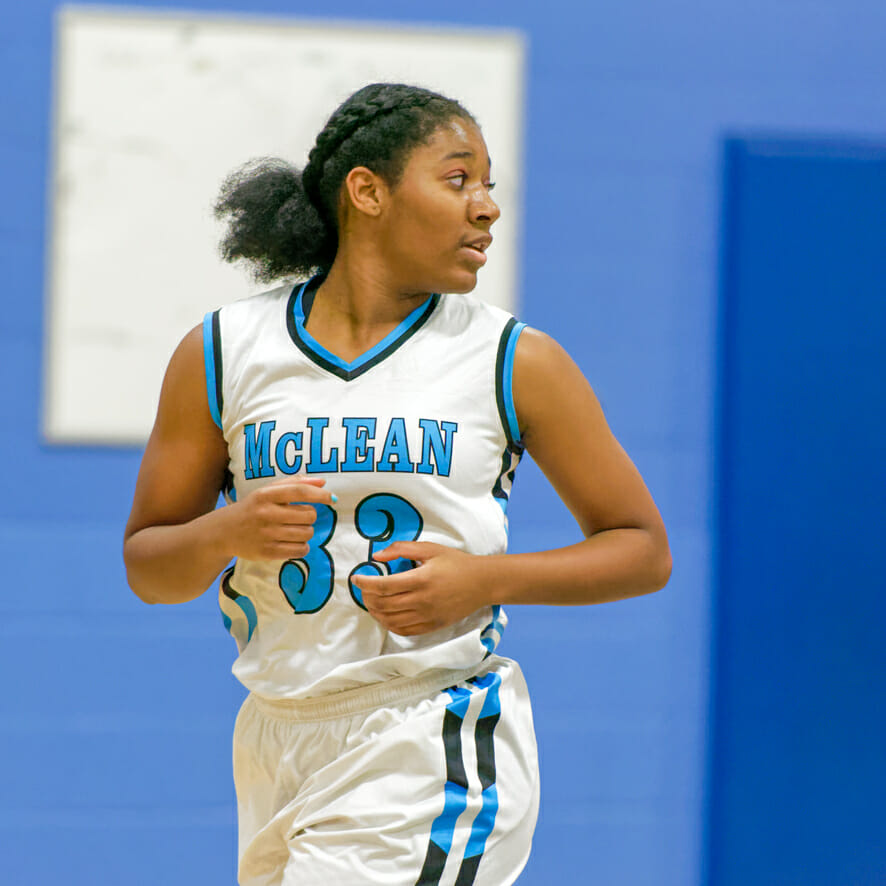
x=366, y=430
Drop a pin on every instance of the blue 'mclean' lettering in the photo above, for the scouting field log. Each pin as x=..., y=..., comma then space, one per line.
x=266, y=451
x=437, y=437
x=258, y=450
x=316, y=465
x=283, y=463
x=359, y=455
x=395, y=454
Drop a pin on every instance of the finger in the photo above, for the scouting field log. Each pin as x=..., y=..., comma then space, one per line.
x=409, y=550
x=386, y=585
x=287, y=550
x=390, y=601
x=411, y=629
x=295, y=514
x=299, y=491
x=387, y=609
x=298, y=478
x=297, y=533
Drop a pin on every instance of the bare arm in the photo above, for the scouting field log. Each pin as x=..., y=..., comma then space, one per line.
x=625, y=550
x=176, y=542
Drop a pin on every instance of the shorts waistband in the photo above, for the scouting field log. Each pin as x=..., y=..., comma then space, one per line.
x=366, y=698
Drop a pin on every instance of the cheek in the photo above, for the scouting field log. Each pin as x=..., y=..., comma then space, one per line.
x=420, y=241
x=430, y=221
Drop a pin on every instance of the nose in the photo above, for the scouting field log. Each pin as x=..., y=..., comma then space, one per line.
x=483, y=208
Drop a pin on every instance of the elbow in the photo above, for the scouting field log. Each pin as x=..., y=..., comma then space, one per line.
x=136, y=581
x=652, y=562
x=141, y=589
x=660, y=562
x=154, y=582
x=142, y=593
x=662, y=570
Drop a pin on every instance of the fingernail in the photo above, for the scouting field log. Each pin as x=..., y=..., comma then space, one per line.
x=334, y=497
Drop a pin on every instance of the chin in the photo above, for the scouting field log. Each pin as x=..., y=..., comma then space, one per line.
x=462, y=282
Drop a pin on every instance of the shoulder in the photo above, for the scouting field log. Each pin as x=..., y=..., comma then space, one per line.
x=183, y=394
x=258, y=304
x=187, y=358
x=469, y=313
x=538, y=353
x=547, y=382
x=186, y=371
x=234, y=330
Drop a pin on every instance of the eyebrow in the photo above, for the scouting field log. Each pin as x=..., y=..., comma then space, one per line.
x=459, y=155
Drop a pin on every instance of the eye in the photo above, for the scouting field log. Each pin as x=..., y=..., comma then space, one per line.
x=490, y=186
x=458, y=179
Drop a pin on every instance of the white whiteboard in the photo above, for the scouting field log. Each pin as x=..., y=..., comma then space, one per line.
x=152, y=111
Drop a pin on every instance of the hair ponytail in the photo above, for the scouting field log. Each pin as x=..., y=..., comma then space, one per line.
x=271, y=222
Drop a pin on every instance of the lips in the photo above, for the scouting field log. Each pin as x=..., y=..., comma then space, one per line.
x=480, y=243
x=476, y=247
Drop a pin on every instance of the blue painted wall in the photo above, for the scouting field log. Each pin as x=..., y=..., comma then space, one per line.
x=115, y=723
x=798, y=781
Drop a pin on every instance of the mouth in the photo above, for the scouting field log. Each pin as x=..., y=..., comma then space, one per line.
x=476, y=248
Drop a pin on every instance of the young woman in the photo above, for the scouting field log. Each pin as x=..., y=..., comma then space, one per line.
x=366, y=431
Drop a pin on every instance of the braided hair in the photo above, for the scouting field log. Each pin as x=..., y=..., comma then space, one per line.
x=285, y=222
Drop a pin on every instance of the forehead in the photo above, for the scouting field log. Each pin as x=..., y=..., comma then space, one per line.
x=455, y=139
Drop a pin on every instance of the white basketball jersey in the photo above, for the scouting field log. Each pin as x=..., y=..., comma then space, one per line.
x=417, y=438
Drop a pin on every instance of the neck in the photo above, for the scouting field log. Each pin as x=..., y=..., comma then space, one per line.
x=362, y=291
x=358, y=304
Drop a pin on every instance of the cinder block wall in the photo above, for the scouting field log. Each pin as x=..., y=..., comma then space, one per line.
x=115, y=720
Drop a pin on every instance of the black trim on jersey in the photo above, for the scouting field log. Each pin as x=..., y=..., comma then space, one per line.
x=497, y=490
x=513, y=445
x=322, y=362
x=217, y=360
x=225, y=584
x=307, y=301
x=229, y=491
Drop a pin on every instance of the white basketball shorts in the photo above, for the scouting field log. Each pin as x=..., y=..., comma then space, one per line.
x=414, y=782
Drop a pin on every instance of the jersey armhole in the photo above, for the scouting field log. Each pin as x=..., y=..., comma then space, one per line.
x=212, y=362
x=504, y=377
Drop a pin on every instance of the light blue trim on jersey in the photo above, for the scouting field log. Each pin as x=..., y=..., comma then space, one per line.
x=242, y=602
x=508, y=466
x=209, y=366
x=387, y=341
x=508, y=378
x=249, y=611
x=489, y=642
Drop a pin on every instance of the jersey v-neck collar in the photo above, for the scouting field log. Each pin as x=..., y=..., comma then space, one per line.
x=314, y=351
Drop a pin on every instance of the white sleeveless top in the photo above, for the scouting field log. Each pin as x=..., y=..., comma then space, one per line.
x=419, y=440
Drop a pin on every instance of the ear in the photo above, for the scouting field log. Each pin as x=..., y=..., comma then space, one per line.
x=365, y=191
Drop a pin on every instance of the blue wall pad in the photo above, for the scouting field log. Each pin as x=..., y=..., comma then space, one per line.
x=797, y=779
